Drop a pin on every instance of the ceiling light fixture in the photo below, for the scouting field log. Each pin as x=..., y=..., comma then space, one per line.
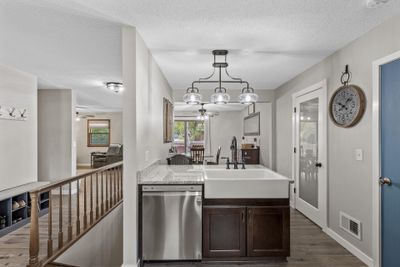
x=192, y=96
x=220, y=95
x=116, y=87
x=376, y=3
x=203, y=114
x=248, y=96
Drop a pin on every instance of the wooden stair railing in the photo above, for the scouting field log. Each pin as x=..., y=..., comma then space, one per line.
x=100, y=194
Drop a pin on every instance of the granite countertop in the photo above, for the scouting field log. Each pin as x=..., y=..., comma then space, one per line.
x=178, y=174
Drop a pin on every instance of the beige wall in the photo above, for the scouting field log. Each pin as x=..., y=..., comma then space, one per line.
x=83, y=151
x=349, y=181
x=18, y=139
x=56, y=134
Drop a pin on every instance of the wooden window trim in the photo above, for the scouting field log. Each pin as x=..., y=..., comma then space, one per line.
x=88, y=133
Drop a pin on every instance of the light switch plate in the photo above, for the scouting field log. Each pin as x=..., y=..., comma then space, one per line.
x=359, y=154
x=146, y=155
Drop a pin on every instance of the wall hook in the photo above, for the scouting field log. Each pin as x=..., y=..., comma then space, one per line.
x=346, y=75
x=23, y=113
x=11, y=112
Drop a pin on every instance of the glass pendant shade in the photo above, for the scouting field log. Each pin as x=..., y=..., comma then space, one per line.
x=192, y=96
x=220, y=96
x=248, y=96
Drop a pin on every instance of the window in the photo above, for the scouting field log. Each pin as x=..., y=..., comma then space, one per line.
x=98, y=133
x=188, y=133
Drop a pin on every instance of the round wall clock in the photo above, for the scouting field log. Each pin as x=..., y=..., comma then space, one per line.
x=347, y=105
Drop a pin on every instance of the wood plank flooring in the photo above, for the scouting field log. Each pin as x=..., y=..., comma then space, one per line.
x=310, y=247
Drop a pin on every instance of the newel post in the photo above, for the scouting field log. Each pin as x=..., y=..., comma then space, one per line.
x=34, y=232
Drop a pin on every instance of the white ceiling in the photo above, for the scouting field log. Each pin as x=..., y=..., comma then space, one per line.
x=65, y=48
x=76, y=43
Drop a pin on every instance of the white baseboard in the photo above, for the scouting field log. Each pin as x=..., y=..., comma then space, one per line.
x=129, y=265
x=350, y=247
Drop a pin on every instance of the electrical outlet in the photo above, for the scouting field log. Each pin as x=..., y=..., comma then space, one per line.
x=359, y=154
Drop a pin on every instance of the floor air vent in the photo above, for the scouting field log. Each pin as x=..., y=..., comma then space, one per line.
x=350, y=225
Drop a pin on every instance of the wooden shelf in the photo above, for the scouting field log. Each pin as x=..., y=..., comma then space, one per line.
x=16, y=194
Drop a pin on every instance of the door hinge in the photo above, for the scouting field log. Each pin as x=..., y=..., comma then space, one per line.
x=294, y=150
x=294, y=110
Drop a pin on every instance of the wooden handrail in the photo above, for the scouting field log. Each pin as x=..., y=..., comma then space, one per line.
x=112, y=196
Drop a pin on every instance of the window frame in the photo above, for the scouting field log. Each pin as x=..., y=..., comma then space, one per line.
x=185, y=139
x=89, y=144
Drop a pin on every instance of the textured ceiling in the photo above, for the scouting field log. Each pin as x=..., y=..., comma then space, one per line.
x=76, y=43
x=271, y=41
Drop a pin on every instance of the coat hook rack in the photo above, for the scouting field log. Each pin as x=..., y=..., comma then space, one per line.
x=11, y=113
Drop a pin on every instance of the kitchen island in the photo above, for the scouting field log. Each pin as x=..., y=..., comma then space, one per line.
x=249, y=221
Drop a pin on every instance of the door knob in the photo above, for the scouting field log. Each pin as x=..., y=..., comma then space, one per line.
x=385, y=181
x=318, y=164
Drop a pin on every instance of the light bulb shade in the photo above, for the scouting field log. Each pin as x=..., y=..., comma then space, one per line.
x=192, y=96
x=248, y=98
x=220, y=98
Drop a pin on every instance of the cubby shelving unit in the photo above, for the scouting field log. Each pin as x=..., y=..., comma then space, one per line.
x=13, y=218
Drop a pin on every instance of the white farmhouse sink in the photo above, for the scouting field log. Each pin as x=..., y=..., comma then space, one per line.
x=253, y=183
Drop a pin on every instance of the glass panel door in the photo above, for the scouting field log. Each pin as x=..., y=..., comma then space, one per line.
x=310, y=157
x=308, y=152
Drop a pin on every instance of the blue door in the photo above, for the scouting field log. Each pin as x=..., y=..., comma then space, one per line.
x=390, y=164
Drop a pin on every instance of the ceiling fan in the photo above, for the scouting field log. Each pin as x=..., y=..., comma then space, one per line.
x=83, y=116
x=203, y=114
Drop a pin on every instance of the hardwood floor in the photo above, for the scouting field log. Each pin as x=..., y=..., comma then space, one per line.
x=310, y=247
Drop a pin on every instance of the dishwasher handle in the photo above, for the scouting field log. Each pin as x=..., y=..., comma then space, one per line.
x=171, y=194
x=172, y=188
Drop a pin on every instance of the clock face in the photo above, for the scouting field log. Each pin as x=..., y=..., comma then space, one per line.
x=347, y=105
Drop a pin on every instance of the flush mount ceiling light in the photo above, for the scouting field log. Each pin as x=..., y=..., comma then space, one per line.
x=376, y=3
x=220, y=95
x=115, y=86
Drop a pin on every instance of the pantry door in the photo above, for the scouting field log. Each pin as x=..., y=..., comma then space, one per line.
x=310, y=155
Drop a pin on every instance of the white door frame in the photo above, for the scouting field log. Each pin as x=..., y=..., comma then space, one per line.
x=376, y=155
x=322, y=85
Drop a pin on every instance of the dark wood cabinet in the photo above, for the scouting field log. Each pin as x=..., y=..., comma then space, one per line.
x=267, y=231
x=251, y=155
x=245, y=229
x=224, y=232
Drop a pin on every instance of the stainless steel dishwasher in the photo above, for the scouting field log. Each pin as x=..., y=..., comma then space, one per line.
x=171, y=222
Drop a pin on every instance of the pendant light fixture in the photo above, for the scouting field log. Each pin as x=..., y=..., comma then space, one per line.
x=192, y=96
x=248, y=96
x=220, y=95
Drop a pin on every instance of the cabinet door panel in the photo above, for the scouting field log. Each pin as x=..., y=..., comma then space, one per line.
x=268, y=231
x=224, y=232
